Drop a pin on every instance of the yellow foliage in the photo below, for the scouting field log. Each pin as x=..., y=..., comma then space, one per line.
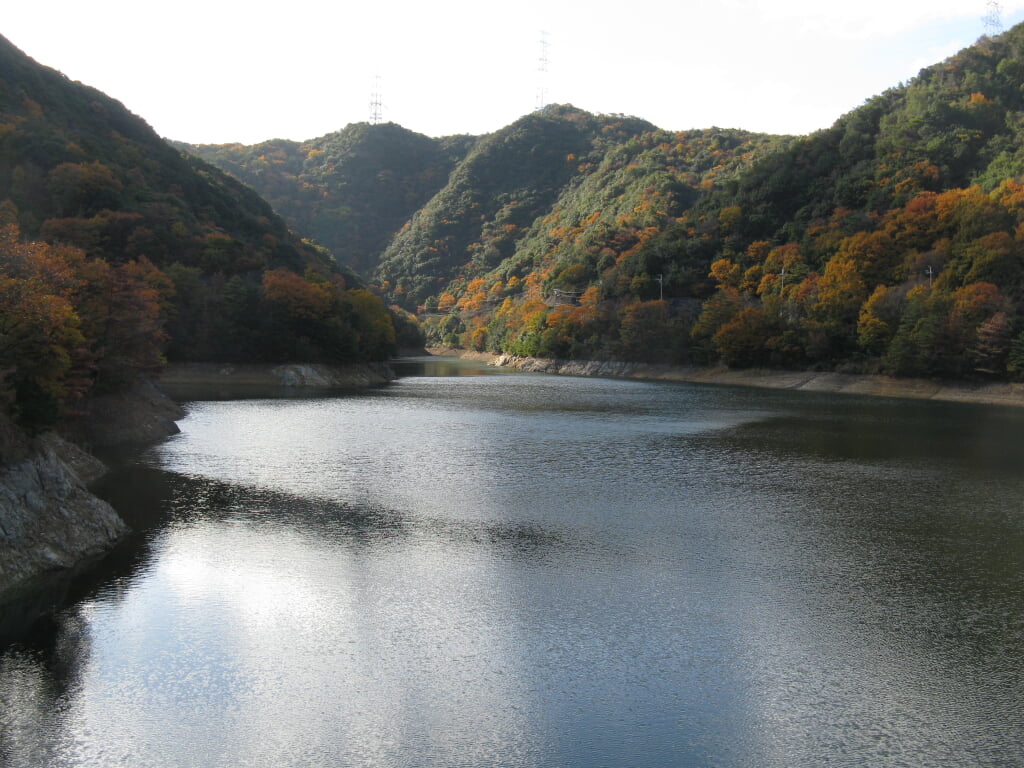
x=725, y=273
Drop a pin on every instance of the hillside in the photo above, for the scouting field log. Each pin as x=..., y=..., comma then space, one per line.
x=486, y=210
x=898, y=230
x=890, y=242
x=117, y=250
x=76, y=166
x=350, y=190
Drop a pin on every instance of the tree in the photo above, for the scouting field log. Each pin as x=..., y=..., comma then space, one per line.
x=741, y=342
x=299, y=298
x=43, y=353
x=645, y=333
x=718, y=310
x=992, y=345
x=834, y=313
x=84, y=189
x=372, y=324
x=878, y=319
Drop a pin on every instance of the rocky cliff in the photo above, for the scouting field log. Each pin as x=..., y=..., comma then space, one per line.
x=49, y=521
x=48, y=518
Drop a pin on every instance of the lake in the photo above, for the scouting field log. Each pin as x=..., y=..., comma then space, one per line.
x=474, y=567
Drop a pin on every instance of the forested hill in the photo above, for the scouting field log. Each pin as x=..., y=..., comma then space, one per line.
x=76, y=166
x=891, y=242
x=560, y=200
x=414, y=213
x=350, y=190
x=117, y=249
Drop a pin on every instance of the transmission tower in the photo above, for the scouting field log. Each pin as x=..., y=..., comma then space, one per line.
x=542, y=71
x=993, y=20
x=375, y=106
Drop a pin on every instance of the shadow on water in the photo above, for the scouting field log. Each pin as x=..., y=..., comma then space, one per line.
x=151, y=500
x=910, y=503
x=653, y=574
x=884, y=430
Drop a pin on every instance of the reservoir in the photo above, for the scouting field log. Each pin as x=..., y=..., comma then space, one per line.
x=476, y=567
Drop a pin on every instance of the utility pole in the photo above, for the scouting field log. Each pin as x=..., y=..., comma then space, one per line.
x=661, y=287
x=930, y=273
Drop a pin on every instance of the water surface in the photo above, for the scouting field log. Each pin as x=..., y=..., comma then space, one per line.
x=516, y=570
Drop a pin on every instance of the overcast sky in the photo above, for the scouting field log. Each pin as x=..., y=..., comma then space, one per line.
x=214, y=71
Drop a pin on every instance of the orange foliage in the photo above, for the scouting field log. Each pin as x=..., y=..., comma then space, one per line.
x=299, y=297
x=445, y=302
x=725, y=273
x=977, y=302
x=67, y=321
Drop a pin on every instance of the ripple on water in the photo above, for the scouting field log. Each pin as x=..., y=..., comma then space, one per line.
x=536, y=571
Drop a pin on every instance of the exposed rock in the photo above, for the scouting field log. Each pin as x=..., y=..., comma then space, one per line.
x=605, y=368
x=991, y=393
x=137, y=415
x=49, y=521
x=48, y=518
x=84, y=465
x=185, y=381
x=332, y=377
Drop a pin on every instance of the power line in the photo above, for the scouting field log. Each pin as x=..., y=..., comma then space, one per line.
x=376, y=108
x=542, y=70
x=993, y=20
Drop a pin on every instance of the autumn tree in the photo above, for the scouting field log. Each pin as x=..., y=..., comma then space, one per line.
x=43, y=354
x=122, y=311
x=742, y=341
x=375, y=334
x=645, y=332
x=879, y=319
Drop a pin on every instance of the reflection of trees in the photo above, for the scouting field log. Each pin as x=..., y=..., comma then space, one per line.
x=909, y=502
x=344, y=523
x=26, y=701
x=36, y=675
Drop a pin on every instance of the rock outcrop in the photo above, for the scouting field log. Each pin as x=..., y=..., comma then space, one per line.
x=601, y=368
x=48, y=518
x=137, y=415
x=187, y=381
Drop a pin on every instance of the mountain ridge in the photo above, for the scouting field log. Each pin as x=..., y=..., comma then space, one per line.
x=887, y=242
x=117, y=250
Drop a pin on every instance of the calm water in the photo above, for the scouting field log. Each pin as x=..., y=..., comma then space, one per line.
x=512, y=570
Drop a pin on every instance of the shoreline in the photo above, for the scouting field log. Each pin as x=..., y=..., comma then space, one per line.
x=871, y=385
x=191, y=381
x=52, y=524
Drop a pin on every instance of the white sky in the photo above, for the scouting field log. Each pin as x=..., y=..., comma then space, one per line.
x=213, y=71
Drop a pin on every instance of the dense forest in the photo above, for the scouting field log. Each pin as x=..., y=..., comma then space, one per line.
x=351, y=190
x=890, y=242
x=118, y=252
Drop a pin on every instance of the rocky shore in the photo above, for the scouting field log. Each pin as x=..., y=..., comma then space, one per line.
x=49, y=520
x=996, y=393
x=184, y=381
